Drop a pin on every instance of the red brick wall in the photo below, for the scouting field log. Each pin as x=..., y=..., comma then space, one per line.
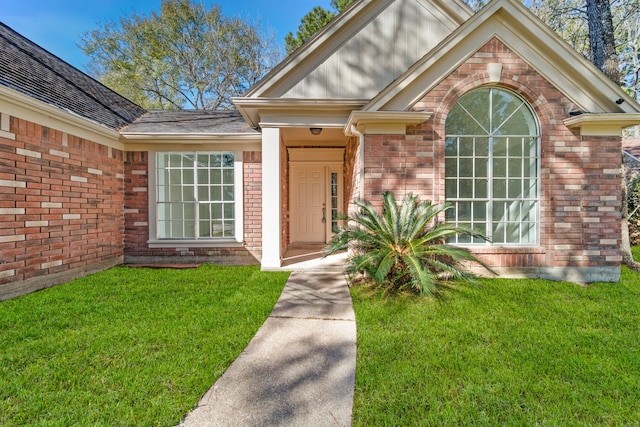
x=136, y=201
x=60, y=207
x=252, y=162
x=351, y=173
x=580, y=176
x=401, y=164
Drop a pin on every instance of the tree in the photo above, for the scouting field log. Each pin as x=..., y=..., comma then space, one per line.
x=404, y=247
x=313, y=22
x=602, y=39
x=627, y=27
x=586, y=26
x=187, y=56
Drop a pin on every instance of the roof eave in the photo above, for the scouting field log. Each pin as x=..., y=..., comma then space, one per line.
x=253, y=108
x=604, y=124
x=18, y=104
x=190, y=137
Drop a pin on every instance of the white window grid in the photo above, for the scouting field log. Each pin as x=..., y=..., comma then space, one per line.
x=508, y=214
x=195, y=195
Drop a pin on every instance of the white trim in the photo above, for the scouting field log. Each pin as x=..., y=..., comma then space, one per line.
x=27, y=108
x=384, y=122
x=602, y=124
x=194, y=146
x=154, y=242
x=514, y=25
x=328, y=168
x=271, y=199
x=185, y=243
x=187, y=138
x=277, y=112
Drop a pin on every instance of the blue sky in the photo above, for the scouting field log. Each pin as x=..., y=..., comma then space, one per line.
x=58, y=25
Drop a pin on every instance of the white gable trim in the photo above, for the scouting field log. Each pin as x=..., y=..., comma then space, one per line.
x=531, y=39
x=337, y=33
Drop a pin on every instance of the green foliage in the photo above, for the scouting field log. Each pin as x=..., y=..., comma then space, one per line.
x=568, y=18
x=633, y=210
x=515, y=353
x=127, y=346
x=404, y=248
x=187, y=56
x=313, y=22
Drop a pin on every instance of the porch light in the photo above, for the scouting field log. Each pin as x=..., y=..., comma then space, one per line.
x=315, y=131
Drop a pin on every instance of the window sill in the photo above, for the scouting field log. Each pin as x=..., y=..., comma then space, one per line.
x=503, y=249
x=218, y=243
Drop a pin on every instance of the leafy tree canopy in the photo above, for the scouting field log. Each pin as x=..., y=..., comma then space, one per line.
x=187, y=56
x=313, y=22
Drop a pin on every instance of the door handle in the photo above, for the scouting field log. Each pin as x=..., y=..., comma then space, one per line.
x=324, y=214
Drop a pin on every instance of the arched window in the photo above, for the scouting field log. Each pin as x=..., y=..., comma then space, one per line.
x=491, y=167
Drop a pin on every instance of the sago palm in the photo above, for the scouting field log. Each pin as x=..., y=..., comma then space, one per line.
x=404, y=247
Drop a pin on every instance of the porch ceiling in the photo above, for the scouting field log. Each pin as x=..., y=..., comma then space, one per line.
x=300, y=137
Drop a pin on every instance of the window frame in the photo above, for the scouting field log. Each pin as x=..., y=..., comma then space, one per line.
x=490, y=198
x=237, y=240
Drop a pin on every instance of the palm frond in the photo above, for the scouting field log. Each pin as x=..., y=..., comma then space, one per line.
x=404, y=246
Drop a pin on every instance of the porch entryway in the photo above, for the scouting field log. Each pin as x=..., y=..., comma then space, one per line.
x=315, y=194
x=310, y=257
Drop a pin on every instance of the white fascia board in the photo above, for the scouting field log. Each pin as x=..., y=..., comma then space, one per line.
x=190, y=137
x=193, y=145
x=360, y=119
x=279, y=112
x=19, y=105
x=602, y=124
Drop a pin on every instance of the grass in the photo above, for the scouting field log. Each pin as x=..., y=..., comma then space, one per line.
x=140, y=347
x=127, y=346
x=514, y=352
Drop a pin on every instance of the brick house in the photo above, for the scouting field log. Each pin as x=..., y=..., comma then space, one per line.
x=491, y=112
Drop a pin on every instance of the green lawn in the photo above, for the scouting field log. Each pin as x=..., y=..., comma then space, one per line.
x=139, y=347
x=127, y=346
x=513, y=352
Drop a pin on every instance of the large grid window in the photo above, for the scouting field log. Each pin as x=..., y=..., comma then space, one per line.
x=491, y=167
x=195, y=195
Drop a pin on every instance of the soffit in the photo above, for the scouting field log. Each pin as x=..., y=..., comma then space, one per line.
x=277, y=112
x=527, y=36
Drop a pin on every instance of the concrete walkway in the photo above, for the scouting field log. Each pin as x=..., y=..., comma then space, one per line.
x=299, y=369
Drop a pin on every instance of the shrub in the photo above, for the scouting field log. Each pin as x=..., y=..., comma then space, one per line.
x=404, y=247
x=633, y=209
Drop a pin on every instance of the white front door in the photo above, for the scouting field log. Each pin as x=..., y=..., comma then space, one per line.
x=308, y=187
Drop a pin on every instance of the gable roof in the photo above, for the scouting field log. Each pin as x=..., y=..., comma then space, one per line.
x=33, y=71
x=363, y=49
x=518, y=28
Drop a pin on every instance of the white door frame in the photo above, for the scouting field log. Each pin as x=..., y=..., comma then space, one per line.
x=328, y=169
x=332, y=159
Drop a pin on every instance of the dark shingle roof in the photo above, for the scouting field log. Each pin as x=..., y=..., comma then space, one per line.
x=190, y=121
x=632, y=146
x=28, y=68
